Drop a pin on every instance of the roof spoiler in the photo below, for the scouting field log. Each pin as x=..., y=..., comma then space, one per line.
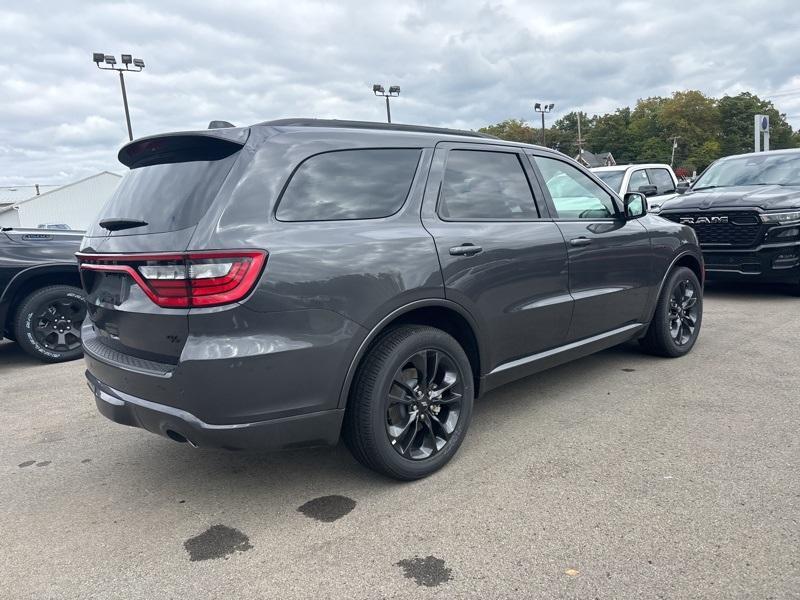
x=185, y=146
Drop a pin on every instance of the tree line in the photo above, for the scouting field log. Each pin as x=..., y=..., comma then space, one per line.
x=705, y=129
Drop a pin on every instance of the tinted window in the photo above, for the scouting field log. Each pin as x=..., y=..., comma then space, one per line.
x=485, y=185
x=574, y=194
x=350, y=184
x=662, y=180
x=638, y=179
x=167, y=197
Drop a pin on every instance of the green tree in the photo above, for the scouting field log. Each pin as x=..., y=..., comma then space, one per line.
x=695, y=119
x=513, y=130
x=611, y=133
x=736, y=116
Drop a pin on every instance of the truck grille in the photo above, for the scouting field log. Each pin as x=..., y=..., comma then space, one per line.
x=741, y=231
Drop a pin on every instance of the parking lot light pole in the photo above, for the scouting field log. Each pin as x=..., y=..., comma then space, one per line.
x=393, y=92
x=543, y=108
x=127, y=60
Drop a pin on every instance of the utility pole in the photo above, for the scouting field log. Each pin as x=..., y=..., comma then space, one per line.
x=674, y=145
x=580, y=139
x=127, y=60
x=393, y=92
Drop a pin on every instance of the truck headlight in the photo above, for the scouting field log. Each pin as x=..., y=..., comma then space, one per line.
x=781, y=218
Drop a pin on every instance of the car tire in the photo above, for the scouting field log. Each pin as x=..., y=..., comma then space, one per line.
x=678, y=316
x=410, y=404
x=48, y=321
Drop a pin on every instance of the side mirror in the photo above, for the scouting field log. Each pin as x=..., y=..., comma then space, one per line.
x=683, y=187
x=635, y=205
x=648, y=190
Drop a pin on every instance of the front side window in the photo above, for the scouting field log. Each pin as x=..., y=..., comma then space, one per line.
x=349, y=184
x=662, y=180
x=638, y=179
x=574, y=194
x=485, y=185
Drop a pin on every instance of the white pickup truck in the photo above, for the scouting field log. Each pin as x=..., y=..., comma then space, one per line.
x=656, y=181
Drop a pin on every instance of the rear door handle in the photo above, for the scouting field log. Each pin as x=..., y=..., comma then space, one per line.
x=465, y=250
x=579, y=242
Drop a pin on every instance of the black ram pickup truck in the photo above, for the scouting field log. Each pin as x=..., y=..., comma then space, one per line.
x=41, y=301
x=745, y=210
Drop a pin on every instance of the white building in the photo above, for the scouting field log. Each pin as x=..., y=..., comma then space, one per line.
x=75, y=204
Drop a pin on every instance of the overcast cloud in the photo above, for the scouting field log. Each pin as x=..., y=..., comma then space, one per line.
x=459, y=64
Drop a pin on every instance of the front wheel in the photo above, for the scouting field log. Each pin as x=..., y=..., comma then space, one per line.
x=48, y=323
x=411, y=403
x=678, y=315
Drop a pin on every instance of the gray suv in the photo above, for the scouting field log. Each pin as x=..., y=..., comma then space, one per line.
x=278, y=285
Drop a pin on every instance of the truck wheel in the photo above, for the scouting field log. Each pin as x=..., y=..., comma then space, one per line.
x=411, y=403
x=678, y=316
x=47, y=323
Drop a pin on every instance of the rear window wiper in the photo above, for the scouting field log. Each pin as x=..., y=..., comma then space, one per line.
x=120, y=224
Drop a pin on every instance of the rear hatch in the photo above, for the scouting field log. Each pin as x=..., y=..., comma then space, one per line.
x=140, y=282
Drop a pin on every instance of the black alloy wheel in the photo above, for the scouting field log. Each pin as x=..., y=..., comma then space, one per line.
x=57, y=324
x=424, y=404
x=47, y=323
x=683, y=312
x=678, y=315
x=410, y=404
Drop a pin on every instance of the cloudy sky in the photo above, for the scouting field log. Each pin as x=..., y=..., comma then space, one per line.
x=459, y=63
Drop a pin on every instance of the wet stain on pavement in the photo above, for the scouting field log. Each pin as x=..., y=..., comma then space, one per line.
x=328, y=508
x=429, y=571
x=86, y=460
x=27, y=463
x=629, y=370
x=217, y=541
x=44, y=463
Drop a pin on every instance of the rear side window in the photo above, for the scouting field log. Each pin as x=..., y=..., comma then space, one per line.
x=349, y=184
x=638, y=179
x=485, y=185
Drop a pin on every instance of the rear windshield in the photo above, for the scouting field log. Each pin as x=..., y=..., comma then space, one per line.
x=612, y=179
x=167, y=197
x=349, y=184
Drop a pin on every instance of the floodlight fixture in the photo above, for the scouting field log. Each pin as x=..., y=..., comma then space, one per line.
x=107, y=62
x=543, y=108
x=394, y=91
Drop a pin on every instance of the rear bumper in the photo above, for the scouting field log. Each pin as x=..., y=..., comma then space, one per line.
x=313, y=429
x=779, y=263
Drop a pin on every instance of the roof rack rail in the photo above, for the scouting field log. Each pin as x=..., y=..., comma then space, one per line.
x=373, y=125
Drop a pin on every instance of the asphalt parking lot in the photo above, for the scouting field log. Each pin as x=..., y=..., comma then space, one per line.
x=617, y=476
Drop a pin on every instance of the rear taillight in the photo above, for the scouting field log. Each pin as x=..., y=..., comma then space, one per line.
x=185, y=280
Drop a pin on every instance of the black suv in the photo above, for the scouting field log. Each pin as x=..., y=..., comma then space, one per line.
x=746, y=212
x=273, y=285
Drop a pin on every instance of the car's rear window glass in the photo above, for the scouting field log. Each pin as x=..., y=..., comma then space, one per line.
x=167, y=197
x=349, y=184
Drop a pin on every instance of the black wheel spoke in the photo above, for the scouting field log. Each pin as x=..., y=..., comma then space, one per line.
x=423, y=404
x=441, y=426
x=403, y=386
x=449, y=399
x=683, y=312
x=420, y=363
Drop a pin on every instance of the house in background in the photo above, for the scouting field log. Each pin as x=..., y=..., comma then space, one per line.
x=75, y=204
x=591, y=160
